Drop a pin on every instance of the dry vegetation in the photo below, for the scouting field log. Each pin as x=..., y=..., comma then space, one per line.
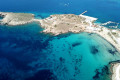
x=64, y=23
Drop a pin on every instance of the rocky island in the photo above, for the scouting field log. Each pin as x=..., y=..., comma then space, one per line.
x=64, y=23
x=58, y=24
x=16, y=18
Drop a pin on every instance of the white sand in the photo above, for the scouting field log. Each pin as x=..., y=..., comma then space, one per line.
x=116, y=72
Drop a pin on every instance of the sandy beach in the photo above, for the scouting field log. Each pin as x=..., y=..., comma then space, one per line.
x=115, y=70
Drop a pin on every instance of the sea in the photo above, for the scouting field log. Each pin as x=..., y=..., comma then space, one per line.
x=26, y=53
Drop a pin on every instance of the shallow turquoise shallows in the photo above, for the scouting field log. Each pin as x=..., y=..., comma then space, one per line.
x=78, y=56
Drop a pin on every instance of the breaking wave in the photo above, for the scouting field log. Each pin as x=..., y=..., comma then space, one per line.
x=110, y=24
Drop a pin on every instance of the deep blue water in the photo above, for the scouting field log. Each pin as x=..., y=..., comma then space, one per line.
x=28, y=54
x=105, y=10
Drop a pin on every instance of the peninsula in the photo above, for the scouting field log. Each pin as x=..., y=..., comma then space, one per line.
x=64, y=23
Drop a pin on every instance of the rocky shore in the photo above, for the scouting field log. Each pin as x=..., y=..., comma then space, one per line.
x=115, y=70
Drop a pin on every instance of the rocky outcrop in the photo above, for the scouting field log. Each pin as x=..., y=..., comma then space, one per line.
x=115, y=70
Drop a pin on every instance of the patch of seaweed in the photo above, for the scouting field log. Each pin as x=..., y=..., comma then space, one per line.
x=94, y=50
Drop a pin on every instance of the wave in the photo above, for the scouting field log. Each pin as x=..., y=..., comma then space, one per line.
x=110, y=24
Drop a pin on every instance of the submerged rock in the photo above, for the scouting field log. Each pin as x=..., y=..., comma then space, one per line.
x=94, y=49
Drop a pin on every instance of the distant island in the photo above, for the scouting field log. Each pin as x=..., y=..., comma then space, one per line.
x=16, y=18
x=64, y=23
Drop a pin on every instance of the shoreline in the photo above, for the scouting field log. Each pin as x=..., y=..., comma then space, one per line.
x=111, y=35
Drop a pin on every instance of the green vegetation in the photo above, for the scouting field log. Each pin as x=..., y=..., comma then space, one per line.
x=76, y=26
x=55, y=26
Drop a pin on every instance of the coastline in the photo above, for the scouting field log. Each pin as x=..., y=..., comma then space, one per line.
x=111, y=35
x=64, y=23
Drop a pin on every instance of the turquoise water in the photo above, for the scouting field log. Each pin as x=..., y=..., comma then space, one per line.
x=28, y=54
x=81, y=55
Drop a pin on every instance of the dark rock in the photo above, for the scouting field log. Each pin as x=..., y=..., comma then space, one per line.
x=76, y=44
x=94, y=50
